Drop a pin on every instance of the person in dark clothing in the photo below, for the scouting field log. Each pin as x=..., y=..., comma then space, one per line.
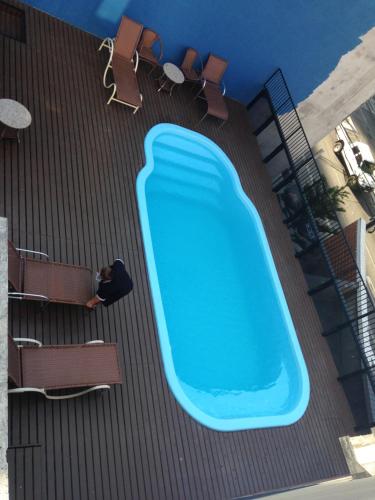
x=114, y=284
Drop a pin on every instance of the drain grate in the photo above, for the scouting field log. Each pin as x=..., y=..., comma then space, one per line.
x=12, y=22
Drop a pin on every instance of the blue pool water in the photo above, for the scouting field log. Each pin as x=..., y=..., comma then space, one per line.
x=229, y=348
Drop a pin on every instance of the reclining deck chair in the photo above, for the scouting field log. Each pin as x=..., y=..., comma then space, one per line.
x=148, y=39
x=122, y=51
x=33, y=279
x=41, y=368
x=211, y=77
x=187, y=64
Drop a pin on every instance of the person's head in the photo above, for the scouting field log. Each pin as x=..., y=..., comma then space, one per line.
x=106, y=273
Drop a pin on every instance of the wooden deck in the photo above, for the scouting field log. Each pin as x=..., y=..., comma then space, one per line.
x=68, y=189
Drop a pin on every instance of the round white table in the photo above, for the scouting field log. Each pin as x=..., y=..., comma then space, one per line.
x=172, y=76
x=13, y=118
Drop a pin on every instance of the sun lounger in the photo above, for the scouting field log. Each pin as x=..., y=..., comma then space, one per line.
x=122, y=52
x=39, y=368
x=42, y=280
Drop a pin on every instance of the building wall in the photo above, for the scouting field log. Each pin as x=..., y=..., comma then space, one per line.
x=306, y=38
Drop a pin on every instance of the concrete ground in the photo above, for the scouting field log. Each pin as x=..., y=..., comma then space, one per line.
x=346, y=489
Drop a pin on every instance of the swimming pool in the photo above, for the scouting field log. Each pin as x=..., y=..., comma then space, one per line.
x=229, y=348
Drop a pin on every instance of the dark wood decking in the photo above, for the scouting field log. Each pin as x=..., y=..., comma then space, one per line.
x=68, y=189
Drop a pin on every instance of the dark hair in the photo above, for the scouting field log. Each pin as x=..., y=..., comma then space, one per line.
x=106, y=273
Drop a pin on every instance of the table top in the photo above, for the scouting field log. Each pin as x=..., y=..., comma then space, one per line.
x=14, y=114
x=173, y=73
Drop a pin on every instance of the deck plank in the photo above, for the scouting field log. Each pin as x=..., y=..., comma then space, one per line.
x=69, y=189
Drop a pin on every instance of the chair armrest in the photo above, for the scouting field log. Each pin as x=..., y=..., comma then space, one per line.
x=31, y=341
x=32, y=251
x=136, y=61
x=109, y=64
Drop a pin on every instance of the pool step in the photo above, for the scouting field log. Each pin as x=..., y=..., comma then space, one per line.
x=194, y=194
x=190, y=180
x=184, y=168
x=188, y=170
x=184, y=146
x=188, y=160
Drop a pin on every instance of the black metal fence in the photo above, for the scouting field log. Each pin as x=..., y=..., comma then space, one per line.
x=325, y=250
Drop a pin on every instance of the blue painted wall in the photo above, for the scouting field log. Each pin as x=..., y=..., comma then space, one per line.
x=306, y=38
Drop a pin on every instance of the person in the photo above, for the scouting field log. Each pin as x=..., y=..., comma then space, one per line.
x=114, y=284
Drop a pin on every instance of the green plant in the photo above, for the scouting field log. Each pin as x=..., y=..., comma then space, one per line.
x=325, y=200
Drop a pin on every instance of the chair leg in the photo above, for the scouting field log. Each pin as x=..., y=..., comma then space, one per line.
x=113, y=93
x=198, y=94
x=192, y=86
x=78, y=394
x=152, y=69
x=203, y=117
x=136, y=109
x=105, y=43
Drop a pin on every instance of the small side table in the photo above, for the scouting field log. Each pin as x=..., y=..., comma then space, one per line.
x=172, y=76
x=13, y=118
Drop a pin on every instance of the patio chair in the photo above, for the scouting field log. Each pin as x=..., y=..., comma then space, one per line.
x=148, y=39
x=211, y=78
x=40, y=368
x=42, y=280
x=186, y=67
x=123, y=51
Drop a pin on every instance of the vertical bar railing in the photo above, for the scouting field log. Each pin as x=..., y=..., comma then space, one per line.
x=344, y=274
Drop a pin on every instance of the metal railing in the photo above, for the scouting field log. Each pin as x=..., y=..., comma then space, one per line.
x=315, y=210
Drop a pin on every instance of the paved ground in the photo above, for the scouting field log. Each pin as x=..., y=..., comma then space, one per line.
x=356, y=205
x=361, y=489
